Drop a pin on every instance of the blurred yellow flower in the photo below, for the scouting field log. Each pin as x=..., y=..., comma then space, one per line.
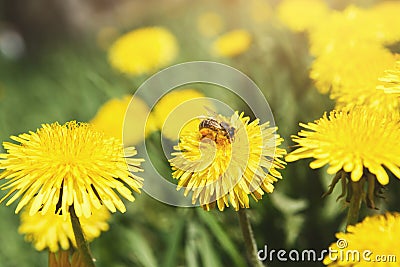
x=356, y=141
x=350, y=69
x=368, y=97
x=112, y=115
x=302, y=15
x=341, y=29
x=219, y=167
x=232, y=43
x=371, y=243
x=386, y=21
x=390, y=82
x=354, y=83
x=177, y=111
x=52, y=231
x=71, y=165
x=210, y=24
x=143, y=51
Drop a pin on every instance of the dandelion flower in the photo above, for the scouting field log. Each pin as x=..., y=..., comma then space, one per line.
x=143, y=51
x=368, y=97
x=111, y=116
x=69, y=165
x=53, y=232
x=177, y=109
x=360, y=89
x=350, y=27
x=390, y=82
x=355, y=141
x=377, y=234
x=210, y=24
x=354, y=83
x=365, y=63
x=302, y=15
x=219, y=168
x=232, y=43
x=385, y=18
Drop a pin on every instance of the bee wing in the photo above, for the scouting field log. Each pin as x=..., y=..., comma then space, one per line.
x=213, y=114
x=210, y=112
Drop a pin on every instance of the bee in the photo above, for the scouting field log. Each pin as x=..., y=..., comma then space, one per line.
x=218, y=131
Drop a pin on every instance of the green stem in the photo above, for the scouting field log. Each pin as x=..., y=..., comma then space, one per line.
x=81, y=243
x=355, y=203
x=249, y=240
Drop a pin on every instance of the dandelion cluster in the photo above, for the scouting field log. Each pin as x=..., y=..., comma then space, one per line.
x=357, y=141
x=352, y=61
x=351, y=51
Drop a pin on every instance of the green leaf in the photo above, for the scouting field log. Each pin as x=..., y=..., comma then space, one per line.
x=171, y=255
x=206, y=249
x=290, y=208
x=293, y=225
x=141, y=249
x=191, y=252
x=288, y=205
x=222, y=237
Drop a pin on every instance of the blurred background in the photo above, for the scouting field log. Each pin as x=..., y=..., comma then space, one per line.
x=54, y=66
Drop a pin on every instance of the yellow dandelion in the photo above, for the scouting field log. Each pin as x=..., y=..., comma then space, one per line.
x=358, y=141
x=360, y=90
x=210, y=24
x=390, y=82
x=227, y=165
x=112, y=115
x=302, y=15
x=143, y=51
x=232, y=43
x=368, y=97
x=352, y=27
x=385, y=18
x=70, y=165
x=371, y=243
x=53, y=232
x=354, y=83
x=176, y=111
x=364, y=64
